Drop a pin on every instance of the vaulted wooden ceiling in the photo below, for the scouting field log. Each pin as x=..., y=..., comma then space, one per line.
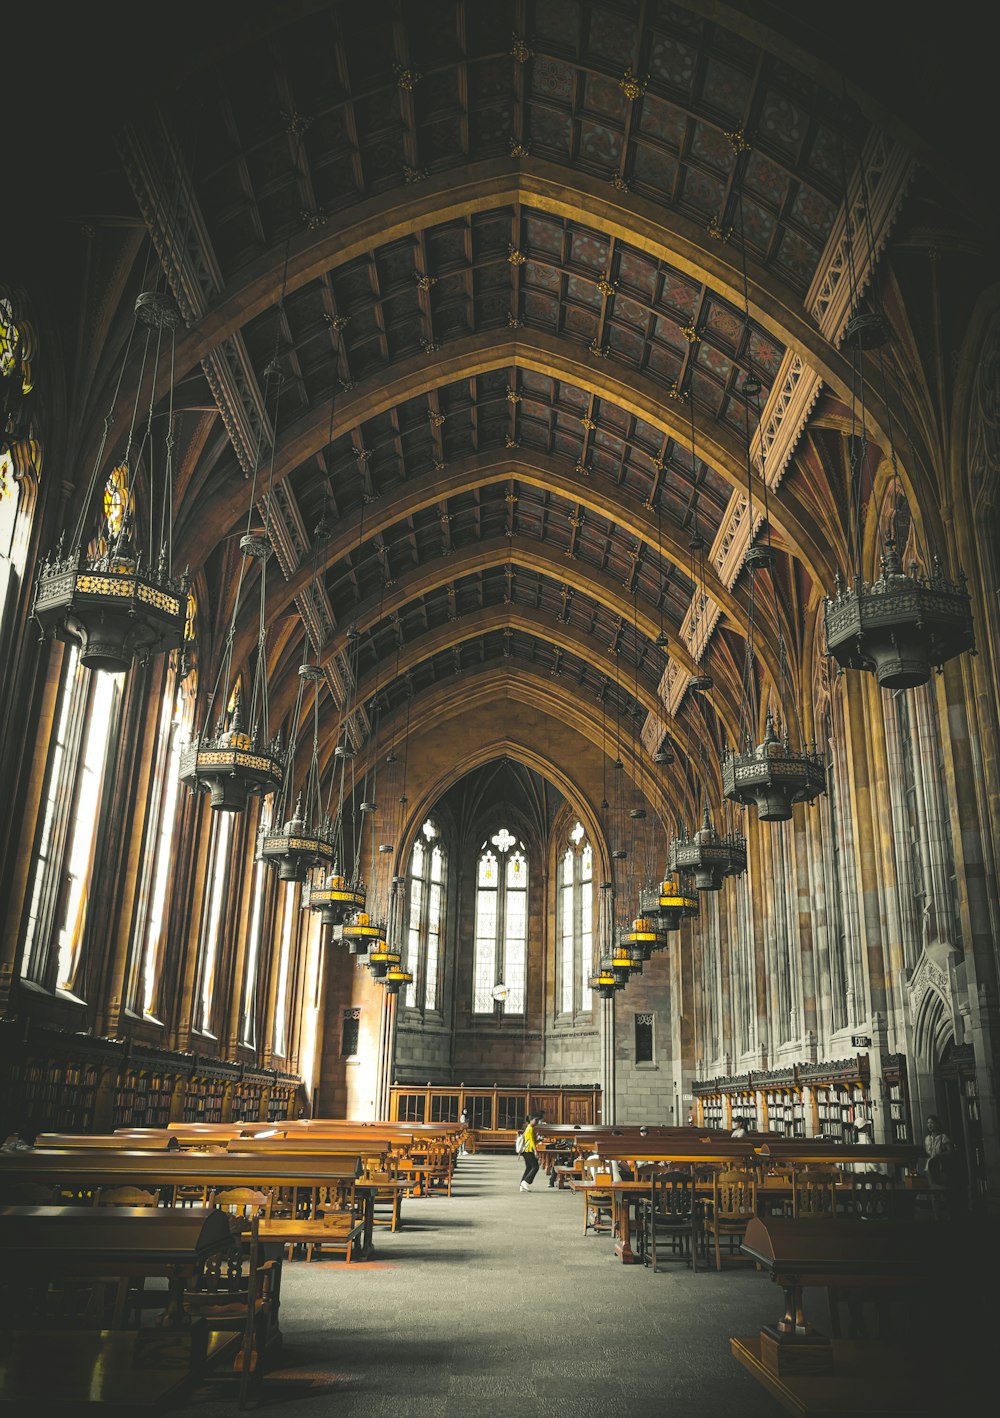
x=515, y=263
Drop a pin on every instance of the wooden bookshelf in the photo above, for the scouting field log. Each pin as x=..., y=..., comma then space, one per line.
x=897, y=1097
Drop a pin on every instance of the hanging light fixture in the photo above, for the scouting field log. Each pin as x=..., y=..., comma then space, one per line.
x=900, y=625
x=331, y=894
x=778, y=772
x=395, y=979
x=118, y=598
x=705, y=856
x=671, y=904
x=645, y=936
x=240, y=759
x=306, y=840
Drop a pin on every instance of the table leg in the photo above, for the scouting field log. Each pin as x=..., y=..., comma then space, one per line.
x=622, y=1210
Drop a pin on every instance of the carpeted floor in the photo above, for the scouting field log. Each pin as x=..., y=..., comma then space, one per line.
x=494, y=1302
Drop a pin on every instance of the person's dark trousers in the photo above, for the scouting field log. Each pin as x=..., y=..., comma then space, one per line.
x=530, y=1167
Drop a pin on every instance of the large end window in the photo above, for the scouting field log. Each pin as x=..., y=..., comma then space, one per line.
x=501, y=947
x=576, y=923
x=425, y=918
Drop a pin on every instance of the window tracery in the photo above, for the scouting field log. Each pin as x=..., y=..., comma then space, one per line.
x=425, y=917
x=576, y=923
x=501, y=943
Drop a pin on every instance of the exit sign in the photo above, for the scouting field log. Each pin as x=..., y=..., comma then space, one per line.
x=860, y=1041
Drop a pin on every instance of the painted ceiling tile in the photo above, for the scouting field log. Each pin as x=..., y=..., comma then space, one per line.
x=628, y=310
x=589, y=251
x=813, y=212
x=599, y=145
x=557, y=20
x=759, y=224
x=712, y=147
x=782, y=123
x=702, y=192
x=611, y=37
x=541, y=310
x=725, y=88
x=636, y=272
x=551, y=79
x=603, y=96
x=549, y=130
x=663, y=121
x=673, y=62
x=541, y=277
x=583, y=291
x=797, y=255
x=655, y=169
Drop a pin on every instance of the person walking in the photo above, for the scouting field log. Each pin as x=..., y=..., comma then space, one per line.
x=529, y=1153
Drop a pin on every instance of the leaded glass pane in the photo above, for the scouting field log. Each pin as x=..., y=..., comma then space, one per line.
x=489, y=874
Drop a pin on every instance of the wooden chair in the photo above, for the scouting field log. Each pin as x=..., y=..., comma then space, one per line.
x=598, y=1205
x=28, y=1194
x=667, y=1213
x=126, y=1196
x=733, y=1206
x=239, y=1291
x=814, y=1193
x=873, y=1197
x=387, y=1198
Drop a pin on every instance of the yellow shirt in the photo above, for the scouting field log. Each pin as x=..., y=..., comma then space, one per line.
x=529, y=1137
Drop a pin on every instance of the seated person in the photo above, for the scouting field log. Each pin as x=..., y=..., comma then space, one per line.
x=740, y=1128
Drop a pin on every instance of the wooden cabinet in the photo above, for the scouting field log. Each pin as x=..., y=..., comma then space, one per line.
x=496, y=1107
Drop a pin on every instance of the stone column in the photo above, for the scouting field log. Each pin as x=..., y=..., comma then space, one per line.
x=608, y=1072
x=386, y=1053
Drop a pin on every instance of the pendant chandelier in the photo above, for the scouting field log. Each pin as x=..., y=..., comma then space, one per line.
x=240, y=759
x=306, y=840
x=117, y=597
x=645, y=936
x=670, y=904
x=335, y=896
x=706, y=857
x=386, y=964
x=605, y=980
x=781, y=770
x=331, y=894
x=899, y=625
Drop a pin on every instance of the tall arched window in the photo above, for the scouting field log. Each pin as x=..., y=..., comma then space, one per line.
x=64, y=868
x=425, y=917
x=212, y=921
x=501, y=923
x=155, y=908
x=576, y=923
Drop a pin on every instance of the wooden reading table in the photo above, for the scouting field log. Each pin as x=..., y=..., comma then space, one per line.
x=128, y=1369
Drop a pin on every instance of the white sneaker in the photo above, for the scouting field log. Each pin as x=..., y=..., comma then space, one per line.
x=525, y=1187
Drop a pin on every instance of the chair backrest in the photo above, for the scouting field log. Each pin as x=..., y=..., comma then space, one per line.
x=602, y=1179
x=126, y=1196
x=873, y=1195
x=241, y=1201
x=28, y=1194
x=672, y=1193
x=814, y=1192
x=734, y=1193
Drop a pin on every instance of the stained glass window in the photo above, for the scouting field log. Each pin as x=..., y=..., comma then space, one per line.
x=425, y=918
x=501, y=943
x=576, y=923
